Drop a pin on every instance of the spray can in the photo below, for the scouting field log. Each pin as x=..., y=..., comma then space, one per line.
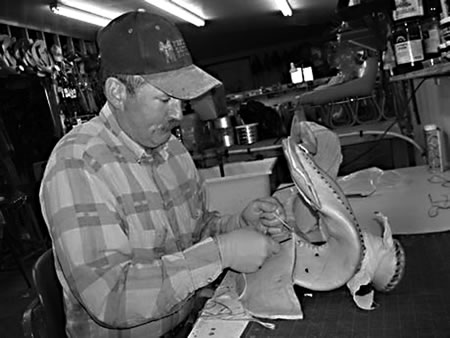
x=435, y=148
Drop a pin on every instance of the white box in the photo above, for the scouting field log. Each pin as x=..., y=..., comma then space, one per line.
x=242, y=183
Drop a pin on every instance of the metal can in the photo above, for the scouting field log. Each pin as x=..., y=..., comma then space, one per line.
x=224, y=131
x=435, y=148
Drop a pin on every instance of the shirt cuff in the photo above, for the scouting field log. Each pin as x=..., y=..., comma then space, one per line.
x=204, y=262
x=230, y=223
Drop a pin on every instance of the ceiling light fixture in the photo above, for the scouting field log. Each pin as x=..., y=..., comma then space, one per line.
x=80, y=15
x=93, y=8
x=177, y=10
x=284, y=7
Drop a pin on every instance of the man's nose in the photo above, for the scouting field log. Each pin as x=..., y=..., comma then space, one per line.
x=175, y=111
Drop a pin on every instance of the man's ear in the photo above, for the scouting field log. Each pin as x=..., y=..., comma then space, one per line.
x=115, y=92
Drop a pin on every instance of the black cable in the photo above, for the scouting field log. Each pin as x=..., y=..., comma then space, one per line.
x=386, y=130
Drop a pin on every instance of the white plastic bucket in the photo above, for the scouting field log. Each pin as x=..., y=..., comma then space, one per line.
x=243, y=182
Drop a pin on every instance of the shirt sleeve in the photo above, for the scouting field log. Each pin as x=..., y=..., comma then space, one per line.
x=213, y=223
x=118, y=286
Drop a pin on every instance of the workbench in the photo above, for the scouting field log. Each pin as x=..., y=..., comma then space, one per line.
x=418, y=207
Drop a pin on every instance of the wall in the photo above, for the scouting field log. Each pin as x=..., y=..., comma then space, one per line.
x=267, y=66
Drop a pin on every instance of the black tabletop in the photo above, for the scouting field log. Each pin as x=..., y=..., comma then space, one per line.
x=418, y=307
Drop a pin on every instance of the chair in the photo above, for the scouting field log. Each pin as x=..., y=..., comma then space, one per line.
x=50, y=299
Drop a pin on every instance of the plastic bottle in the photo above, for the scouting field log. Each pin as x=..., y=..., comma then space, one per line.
x=296, y=74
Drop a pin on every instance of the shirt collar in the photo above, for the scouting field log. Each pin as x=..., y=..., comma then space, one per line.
x=142, y=154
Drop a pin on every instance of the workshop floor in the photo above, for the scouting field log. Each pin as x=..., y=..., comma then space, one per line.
x=418, y=307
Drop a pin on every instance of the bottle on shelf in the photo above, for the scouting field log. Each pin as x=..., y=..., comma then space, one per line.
x=407, y=39
x=407, y=44
x=407, y=9
x=296, y=74
x=430, y=29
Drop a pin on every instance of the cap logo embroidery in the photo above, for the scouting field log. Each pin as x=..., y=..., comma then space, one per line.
x=180, y=48
x=168, y=51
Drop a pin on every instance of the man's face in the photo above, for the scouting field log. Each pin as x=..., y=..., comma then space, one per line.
x=149, y=116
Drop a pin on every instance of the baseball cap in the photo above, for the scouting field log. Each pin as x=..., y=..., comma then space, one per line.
x=146, y=44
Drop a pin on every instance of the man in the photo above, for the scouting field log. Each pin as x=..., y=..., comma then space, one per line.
x=123, y=201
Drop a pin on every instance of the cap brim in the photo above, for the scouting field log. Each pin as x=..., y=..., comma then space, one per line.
x=186, y=83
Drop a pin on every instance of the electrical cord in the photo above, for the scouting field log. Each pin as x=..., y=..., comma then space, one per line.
x=389, y=133
x=386, y=131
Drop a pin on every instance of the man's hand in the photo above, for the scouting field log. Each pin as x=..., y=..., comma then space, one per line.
x=245, y=250
x=264, y=215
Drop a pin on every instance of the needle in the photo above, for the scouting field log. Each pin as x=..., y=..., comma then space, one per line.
x=285, y=240
x=287, y=226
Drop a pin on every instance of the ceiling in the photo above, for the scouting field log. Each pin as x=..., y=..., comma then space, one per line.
x=231, y=25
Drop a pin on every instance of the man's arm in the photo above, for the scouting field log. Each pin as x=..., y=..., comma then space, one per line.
x=119, y=286
x=261, y=214
x=212, y=222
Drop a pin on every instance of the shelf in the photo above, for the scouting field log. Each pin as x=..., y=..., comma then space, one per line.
x=274, y=91
x=441, y=69
x=350, y=135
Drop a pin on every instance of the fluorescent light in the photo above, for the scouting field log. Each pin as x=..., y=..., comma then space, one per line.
x=284, y=7
x=194, y=9
x=77, y=14
x=90, y=8
x=178, y=11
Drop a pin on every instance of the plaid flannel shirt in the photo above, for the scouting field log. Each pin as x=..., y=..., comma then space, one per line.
x=130, y=231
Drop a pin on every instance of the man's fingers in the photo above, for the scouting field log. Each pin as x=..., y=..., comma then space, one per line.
x=272, y=219
x=274, y=231
x=274, y=246
x=271, y=209
x=268, y=204
x=267, y=230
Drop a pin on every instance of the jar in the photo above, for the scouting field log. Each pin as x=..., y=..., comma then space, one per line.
x=408, y=46
x=434, y=148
